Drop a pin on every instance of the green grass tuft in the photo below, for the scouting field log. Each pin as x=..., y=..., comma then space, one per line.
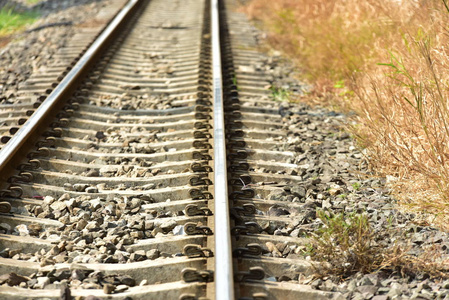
x=12, y=21
x=279, y=94
x=347, y=242
x=356, y=186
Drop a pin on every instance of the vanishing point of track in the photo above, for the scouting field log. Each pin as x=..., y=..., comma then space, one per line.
x=151, y=167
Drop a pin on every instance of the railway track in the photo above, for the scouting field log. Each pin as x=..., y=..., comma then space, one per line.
x=155, y=168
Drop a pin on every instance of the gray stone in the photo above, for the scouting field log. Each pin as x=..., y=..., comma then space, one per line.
x=136, y=257
x=108, y=169
x=276, y=211
x=48, y=200
x=95, y=203
x=295, y=232
x=326, y=204
x=328, y=286
x=62, y=274
x=357, y=296
x=277, y=195
x=153, y=254
x=427, y=294
x=150, y=186
x=78, y=274
x=127, y=279
x=352, y=285
x=81, y=224
x=369, y=279
x=42, y=282
x=415, y=296
x=394, y=292
x=168, y=225
x=93, y=173
x=22, y=230
x=92, y=189
x=367, y=289
x=58, y=205
x=299, y=191
x=80, y=187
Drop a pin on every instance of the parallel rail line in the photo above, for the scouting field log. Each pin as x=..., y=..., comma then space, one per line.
x=156, y=168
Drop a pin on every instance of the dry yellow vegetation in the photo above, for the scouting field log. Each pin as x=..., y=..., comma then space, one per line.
x=388, y=62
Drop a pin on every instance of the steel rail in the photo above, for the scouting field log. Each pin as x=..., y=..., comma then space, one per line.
x=30, y=131
x=224, y=283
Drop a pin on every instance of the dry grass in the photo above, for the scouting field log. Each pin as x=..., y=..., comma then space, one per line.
x=388, y=62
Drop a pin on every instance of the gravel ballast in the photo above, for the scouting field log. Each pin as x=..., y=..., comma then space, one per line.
x=32, y=51
x=337, y=181
x=335, y=177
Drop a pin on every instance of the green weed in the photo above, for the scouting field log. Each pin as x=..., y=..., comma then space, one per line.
x=234, y=81
x=279, y=94
x=347, y=243
x=11, y=21
x=356, y=186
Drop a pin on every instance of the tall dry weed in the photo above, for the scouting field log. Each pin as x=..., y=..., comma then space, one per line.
x=388, y=62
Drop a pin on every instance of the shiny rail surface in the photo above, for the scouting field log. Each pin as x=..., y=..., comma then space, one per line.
x=224, y=283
